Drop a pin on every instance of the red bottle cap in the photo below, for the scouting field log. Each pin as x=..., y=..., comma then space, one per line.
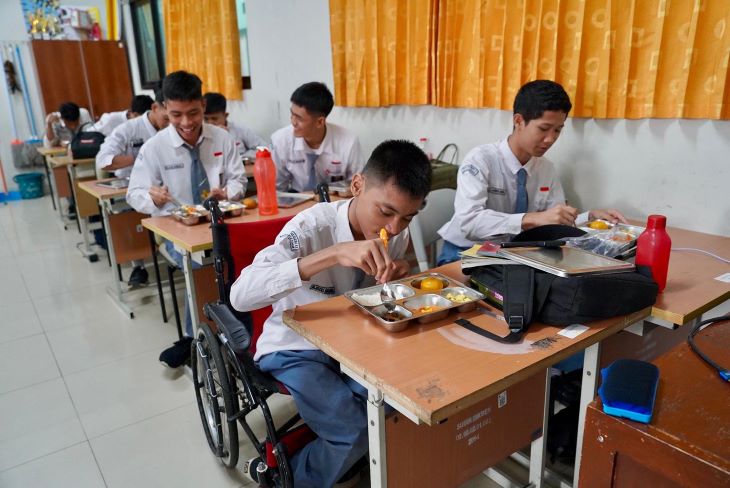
x=263, y=152
x=656, y=222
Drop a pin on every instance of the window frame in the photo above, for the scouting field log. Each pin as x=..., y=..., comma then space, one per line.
x=157, y=31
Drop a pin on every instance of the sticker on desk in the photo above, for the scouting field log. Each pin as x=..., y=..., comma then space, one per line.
x=502, y=399
x=573, y=331
x=725, y=278
x=468, y=429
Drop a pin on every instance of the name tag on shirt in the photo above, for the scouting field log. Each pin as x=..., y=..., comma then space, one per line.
x=325, y=290
x=496, y=191
x=297, y=161
x=545, y=188
x=172, y=166
x=137, y=142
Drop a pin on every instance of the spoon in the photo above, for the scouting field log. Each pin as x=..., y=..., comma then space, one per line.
x=387, y=295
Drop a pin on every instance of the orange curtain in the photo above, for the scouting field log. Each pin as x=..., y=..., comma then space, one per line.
x=201, y=36
x=616, y=58
x=382, y=51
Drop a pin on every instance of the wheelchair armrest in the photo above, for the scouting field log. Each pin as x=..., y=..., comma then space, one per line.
x=233, y=329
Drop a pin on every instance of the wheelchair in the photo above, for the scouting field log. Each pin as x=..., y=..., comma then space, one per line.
x=228, y=385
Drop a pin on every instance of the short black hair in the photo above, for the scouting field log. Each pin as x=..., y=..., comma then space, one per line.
x=141, y=103
x=182, y=86
x=315, y=97
x=159, y=98
x=403, y=162
x=69, y=111
x=214, y=103
x=536, y=97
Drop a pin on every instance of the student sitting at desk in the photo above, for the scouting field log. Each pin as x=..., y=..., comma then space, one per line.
x=508, y=186
x=311, y=150
x=325, y=251
x=111, y=120
x=119, y=151
x=186, y=162
x=215, y=113
x=63, y=125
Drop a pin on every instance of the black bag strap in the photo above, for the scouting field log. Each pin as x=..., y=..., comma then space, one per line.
x=519, y=296
x=454, y=155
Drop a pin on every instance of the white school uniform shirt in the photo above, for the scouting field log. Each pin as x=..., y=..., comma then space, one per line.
x=164, y=160
x=486, y=193
x=273, y=277
x=338, y=157
x=125, y=140
x=63, y=133
x=110, y=121
x=246, y=140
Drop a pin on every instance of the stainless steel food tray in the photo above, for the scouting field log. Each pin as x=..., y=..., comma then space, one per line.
x=411, y=300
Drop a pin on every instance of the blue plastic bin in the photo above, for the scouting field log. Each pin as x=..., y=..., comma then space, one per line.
x=30, y=185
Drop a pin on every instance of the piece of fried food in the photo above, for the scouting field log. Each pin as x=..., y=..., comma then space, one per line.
x=384, y=237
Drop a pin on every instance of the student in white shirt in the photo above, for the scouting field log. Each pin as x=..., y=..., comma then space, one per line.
x=63, y=125
x=119, y=151
x=311, y=150
x=325, y=251
x=508, y=186
x=188, y=161
x=215, y=113
x=111, y=120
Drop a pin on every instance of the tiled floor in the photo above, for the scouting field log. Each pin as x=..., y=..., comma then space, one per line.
x=83, y=400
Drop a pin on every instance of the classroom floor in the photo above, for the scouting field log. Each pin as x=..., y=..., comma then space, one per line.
x=84, y=401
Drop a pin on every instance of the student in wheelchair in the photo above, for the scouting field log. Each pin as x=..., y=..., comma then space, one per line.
x=325, y=251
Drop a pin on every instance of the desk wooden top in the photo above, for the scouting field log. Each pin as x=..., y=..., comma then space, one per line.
x=691, y=409
x=426, y=371
x=58, y=161
x=101, y=192
x=691, y=285
x=52, y=151
x=198, y=237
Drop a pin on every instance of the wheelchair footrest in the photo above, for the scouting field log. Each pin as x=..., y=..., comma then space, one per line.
x=233, y=329
x=292, y=441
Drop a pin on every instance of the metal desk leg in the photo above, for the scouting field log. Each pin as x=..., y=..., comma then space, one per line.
x=190, y=288
x=539, y=445
x=376, y=439
x=86, y=251
x=50, y=186
x=587, y=393
x=116, y=292
x=153, y=249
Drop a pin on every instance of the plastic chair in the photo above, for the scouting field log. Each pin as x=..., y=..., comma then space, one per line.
x=424, y=228
x=228, y=385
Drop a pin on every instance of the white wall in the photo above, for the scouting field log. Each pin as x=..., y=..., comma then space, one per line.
x=680, y=168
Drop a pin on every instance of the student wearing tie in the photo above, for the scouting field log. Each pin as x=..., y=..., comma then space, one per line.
x=186, y=162
x=311, y=150
x=506, y=187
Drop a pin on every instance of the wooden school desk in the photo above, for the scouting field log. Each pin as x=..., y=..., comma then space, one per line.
x=86, y=205
x=432, y=372
x=125, y=239
x=687, y=442
x=193, y=241
x=51, y=151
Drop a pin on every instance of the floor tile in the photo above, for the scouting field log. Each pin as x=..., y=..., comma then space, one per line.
x=12, y=286
x=178, y=457
x=18, y=320
x=69, y=308
x=37, y=420
x=123, y=392
x=95, y=342
x=73, y=467
x=26, y=362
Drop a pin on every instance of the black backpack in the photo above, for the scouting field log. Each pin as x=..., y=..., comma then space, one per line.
x=528, y=294
x=86, y=145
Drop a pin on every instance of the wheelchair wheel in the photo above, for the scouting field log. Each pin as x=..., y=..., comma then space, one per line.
x=216, y=397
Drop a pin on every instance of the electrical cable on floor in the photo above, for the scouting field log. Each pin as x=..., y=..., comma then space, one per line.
x=701, y=251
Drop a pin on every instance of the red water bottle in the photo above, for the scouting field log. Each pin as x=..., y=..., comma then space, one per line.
x=653, y=247
x=264, y=172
